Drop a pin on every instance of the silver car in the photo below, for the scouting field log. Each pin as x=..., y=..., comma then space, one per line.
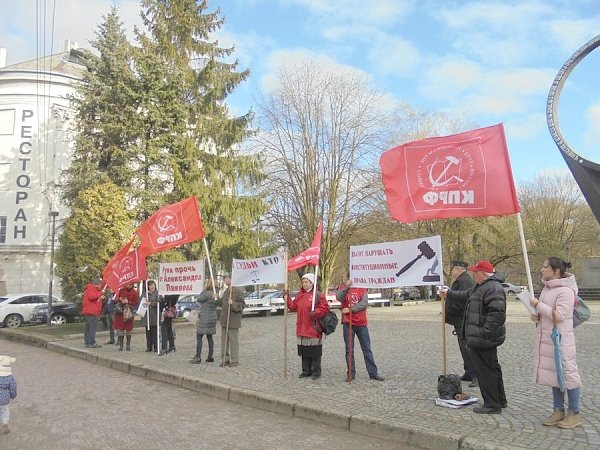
x=16, y=309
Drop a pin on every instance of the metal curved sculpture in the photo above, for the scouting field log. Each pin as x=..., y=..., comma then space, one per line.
x=585, y=172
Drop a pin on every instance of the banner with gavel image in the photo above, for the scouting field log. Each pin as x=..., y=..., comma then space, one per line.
x=414, y=262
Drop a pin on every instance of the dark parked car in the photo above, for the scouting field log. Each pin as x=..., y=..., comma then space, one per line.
x=61, y=313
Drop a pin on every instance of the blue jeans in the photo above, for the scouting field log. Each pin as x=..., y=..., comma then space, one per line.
x=365, y=345
x=89, y=332
x=559, y=399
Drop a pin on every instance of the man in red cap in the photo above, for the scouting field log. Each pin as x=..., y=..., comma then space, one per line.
x=484, y=330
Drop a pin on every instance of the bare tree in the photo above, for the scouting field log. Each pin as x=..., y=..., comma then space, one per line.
x=322, y=130
x=558, y=222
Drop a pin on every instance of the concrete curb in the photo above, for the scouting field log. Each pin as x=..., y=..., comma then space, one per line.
x=364, y=425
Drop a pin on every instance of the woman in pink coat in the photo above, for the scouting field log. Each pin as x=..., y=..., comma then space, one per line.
x=558, y=295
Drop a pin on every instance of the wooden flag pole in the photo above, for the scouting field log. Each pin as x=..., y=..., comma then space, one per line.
x=350, y=344
x=285, y=321
x=445, y=356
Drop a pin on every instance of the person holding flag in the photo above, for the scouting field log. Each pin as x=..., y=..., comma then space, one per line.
x=308, y=330
x=232, y=304
x=484, y=331
x=127, y=298
x=92, y=308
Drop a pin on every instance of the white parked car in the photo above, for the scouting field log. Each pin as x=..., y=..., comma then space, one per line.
x=16, y=309
x=510, y=288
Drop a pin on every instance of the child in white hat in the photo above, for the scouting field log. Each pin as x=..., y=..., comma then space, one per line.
x=8, y=391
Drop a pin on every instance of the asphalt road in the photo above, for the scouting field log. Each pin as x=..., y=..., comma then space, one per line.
x=67, y=403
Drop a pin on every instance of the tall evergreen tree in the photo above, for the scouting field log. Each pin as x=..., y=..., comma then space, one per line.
x=98, y=226
x=152, y=118
x=105, y=106
x=196, y=130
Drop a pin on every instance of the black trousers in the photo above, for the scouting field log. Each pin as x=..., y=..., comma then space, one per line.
x=489, y=375
x=465, y=353
x=311, y=359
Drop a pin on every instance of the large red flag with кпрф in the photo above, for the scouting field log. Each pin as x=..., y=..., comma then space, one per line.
x=462, y=175
x=171, y=226
x=310, y=256
x=128, y=268
x=108, y=276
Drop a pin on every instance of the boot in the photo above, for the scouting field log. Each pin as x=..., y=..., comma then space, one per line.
x=571, y=420
x=196, y=359
x=556, y=417
x=128, y=346
x=120, y=341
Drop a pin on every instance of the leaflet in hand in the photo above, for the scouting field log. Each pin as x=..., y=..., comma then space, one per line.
x=525, y=296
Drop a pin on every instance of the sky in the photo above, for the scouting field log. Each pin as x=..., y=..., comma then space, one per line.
x=485, y=61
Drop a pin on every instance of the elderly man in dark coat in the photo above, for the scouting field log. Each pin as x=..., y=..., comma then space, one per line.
x=484, y=330
x=455, y=312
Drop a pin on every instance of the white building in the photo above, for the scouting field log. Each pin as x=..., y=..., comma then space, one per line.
x=34, y=150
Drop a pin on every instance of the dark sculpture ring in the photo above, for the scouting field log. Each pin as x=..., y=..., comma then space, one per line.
x=552, y=103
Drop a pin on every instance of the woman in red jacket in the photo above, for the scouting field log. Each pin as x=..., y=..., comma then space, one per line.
x=128, y=298
x=308, y=329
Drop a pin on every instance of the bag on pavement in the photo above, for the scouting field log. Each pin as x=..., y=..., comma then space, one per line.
x=581, y=312
x=448, y=386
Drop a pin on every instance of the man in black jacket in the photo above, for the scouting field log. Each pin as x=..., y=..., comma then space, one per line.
x=455, y=312
x=484, y=330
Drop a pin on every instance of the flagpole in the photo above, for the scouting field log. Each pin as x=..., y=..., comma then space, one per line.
x=524, y=248
x=230, y=287
x=445, y=356
x=315, y=287
x=210, y=271
x=285, y=321
x=350, y=342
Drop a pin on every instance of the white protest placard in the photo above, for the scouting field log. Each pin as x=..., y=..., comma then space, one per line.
x=264, y=270
x=181, y=277
x=415, y=262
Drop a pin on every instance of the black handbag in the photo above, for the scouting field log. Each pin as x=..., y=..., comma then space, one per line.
x=118, y=309
x=448, y=386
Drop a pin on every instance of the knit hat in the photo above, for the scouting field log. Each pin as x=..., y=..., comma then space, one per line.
x=5, y=362
x=310, y=277
x=459, y=263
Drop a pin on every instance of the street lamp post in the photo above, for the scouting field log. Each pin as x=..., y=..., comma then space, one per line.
x=52, y=214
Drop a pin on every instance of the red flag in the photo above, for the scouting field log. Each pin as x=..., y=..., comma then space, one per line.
x=462, y=175
x=127, y=268
x=108, y=272
x=310, y=256
x=171, y=226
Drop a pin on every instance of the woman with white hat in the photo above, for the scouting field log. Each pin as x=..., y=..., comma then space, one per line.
x=308, y=329
x=8, y=391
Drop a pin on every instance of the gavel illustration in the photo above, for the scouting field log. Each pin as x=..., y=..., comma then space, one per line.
x=426, y=251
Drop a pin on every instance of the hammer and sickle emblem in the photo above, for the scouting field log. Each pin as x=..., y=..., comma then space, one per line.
x=442, y=178
x=167, y=223
x=126, y=265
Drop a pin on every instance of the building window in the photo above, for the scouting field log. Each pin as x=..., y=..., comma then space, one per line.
x=3, y=222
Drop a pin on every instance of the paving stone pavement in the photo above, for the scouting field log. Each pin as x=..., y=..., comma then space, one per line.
x=75, y=405
x=406, y=342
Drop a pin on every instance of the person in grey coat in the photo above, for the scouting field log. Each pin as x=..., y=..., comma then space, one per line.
x=206, y=324
x=232, y=306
